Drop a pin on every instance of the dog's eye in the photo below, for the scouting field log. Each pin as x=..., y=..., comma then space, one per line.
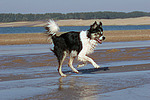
x=99, y=33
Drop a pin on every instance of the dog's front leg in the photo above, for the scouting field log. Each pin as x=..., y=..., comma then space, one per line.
x=86, y=58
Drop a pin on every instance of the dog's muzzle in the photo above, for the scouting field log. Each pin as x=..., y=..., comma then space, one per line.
x=100, y=39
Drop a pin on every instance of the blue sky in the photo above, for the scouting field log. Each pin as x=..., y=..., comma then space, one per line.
x=70, y=6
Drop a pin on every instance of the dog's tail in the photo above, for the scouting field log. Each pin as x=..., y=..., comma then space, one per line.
x=52, y=28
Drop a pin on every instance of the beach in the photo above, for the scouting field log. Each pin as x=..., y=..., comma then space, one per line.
x=28, y=69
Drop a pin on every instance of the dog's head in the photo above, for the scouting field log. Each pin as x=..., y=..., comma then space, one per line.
x=96, y=32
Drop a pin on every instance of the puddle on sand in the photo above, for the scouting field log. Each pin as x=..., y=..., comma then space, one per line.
x=44, y=48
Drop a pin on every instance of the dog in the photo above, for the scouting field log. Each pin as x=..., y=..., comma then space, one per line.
x=76, y=44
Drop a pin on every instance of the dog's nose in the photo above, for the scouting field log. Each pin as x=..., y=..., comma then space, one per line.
x=103, y=37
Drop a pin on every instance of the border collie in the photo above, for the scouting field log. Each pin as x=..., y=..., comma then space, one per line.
x=76, y=44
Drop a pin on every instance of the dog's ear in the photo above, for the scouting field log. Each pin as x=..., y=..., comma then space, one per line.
x=100, y=24
x=94, y=26
x=47, y=28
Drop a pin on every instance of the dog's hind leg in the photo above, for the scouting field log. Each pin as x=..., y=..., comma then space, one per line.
x=61, y=60
x=70, y=64
x=73, y=54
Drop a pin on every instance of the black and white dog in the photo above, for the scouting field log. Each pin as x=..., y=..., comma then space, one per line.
x=76, y=44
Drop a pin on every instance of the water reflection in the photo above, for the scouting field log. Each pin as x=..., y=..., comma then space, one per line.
x=75, y=87
x=79, y=86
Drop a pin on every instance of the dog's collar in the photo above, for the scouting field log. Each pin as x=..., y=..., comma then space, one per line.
x=52, y=34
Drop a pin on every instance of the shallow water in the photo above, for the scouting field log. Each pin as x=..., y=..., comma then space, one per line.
x=44, y=48
x=30, y=72
x=13, y=30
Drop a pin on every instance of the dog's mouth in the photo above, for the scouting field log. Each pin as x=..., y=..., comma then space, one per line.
x=98, y=40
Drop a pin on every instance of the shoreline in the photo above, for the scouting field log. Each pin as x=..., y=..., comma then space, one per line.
x=41, y=38
x=80, y=22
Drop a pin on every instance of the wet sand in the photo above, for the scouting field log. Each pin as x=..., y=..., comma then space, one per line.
x=30, y=72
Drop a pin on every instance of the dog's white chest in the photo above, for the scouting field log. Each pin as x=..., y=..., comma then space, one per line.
x=88, y=45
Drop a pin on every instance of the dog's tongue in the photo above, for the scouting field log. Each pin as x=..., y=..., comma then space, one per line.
x=99, y=41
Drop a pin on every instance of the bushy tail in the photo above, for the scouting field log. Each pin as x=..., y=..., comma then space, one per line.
x=52, y=28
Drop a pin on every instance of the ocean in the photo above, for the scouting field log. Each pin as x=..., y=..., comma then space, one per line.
x=13, y=30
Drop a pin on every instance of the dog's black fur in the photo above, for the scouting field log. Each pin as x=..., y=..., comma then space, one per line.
x=66, y=42
x=74, y=42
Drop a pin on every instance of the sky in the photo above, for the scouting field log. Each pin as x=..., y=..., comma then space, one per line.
x=71, y=6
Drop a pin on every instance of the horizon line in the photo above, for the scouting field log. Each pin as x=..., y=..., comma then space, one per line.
x=73, y=12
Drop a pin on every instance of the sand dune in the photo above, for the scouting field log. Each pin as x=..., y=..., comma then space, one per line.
x=128, y=21
x=78, y=22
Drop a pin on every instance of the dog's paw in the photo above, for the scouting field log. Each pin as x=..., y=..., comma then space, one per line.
x=76, y=71
x=63, y=75
x=97, y=66
x=81, y=65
